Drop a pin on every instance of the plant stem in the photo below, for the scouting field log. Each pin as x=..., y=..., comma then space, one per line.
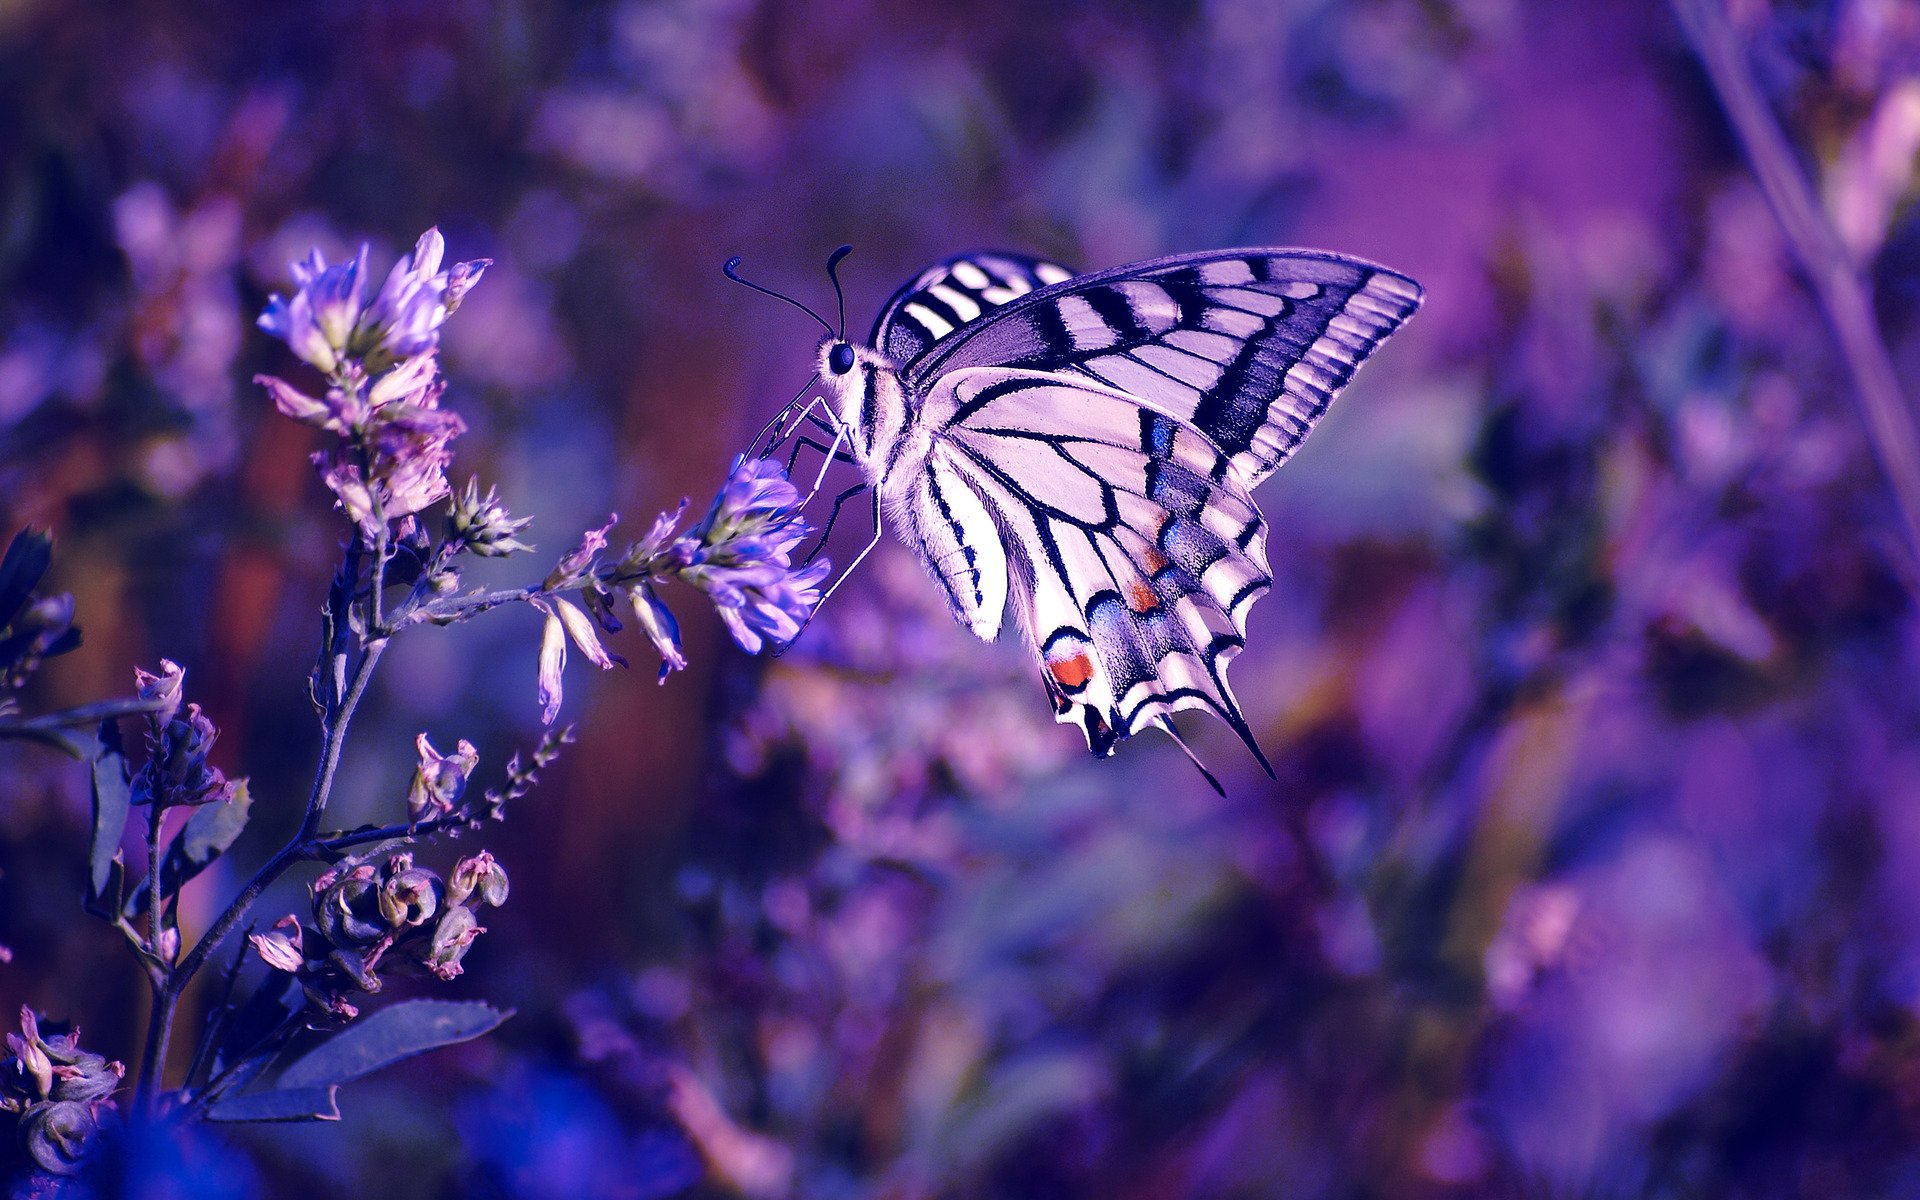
x=167, y=998
x=459, y=608
x=153, y=1055
x=1836, y=279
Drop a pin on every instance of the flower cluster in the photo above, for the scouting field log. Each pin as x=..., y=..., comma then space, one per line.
x=56, y=1094
x=383, y=387
x=386, y=914
x=177, y=771
x=740, y=555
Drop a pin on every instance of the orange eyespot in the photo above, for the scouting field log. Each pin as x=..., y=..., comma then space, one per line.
x=1140, y=597
x=1071, y=672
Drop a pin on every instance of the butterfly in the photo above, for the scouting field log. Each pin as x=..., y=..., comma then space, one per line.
x=1074, y=456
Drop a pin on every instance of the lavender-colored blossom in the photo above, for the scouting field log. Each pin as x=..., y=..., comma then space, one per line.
x=742, y=556
x=318, y=319
x=384, y=390
x=553, y=662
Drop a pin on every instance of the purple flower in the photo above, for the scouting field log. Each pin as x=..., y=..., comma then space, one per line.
x=328, y=323
x=743, y=556
x=318, y=320
x=564, y=621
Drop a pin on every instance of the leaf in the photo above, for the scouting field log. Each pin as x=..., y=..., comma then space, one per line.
x=395, y=1032
x=319, y=1103
x=208, y=834
x=112, y=798
x=26, y=561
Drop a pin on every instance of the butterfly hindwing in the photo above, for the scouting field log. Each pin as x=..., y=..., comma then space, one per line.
x=1247, y=346
x=1133, y=556
x=954, y=292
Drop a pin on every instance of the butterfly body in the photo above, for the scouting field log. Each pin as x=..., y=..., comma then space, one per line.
x=1081, y=450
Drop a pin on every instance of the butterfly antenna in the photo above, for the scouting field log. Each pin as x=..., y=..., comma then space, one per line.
x=840, y=297
x=1167, y=725
x=732, y=271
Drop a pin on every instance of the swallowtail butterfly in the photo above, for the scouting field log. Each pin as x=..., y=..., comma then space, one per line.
x=1074, y=456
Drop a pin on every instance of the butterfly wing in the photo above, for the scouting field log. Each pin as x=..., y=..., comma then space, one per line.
x=1249, y=347
x=1131, y=552
x=953, y=292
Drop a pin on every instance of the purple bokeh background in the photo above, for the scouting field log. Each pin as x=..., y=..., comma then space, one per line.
x=1591, y=866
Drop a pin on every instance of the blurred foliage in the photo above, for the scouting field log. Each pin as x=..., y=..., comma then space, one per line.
x=1590, y=868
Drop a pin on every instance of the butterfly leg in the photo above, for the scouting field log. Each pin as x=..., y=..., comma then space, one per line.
x=832, y=516
x=835, y=585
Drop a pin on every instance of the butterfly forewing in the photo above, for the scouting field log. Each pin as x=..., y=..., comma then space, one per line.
x=1249, y=347
x=950, y=294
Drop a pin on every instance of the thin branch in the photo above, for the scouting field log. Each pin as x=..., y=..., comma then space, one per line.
x=459, y=608
x=1837, y=280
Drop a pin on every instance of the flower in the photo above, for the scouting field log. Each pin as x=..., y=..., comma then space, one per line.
x=578, y=562
x=320, y=317
x=383, y=394
x=742, y=556
x=327, y=323
x=660, y=626
x=440, y=779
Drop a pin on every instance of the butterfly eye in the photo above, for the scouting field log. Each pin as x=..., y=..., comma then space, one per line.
x=840, y=358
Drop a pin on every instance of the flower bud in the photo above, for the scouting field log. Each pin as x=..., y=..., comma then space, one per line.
x=162, y=690
x=460, y=280
x=483, y=525
x=478, y=878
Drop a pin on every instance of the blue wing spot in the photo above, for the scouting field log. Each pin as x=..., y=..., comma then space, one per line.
x=1191, y=545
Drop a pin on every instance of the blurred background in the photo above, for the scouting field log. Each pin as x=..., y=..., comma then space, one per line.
x=1593, y=865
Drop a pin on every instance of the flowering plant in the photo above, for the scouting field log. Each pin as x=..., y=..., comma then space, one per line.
x=286, y=1030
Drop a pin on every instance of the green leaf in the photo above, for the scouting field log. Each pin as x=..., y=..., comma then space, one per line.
x=395, y=1032
x=281, y=1104
x=111, y=801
